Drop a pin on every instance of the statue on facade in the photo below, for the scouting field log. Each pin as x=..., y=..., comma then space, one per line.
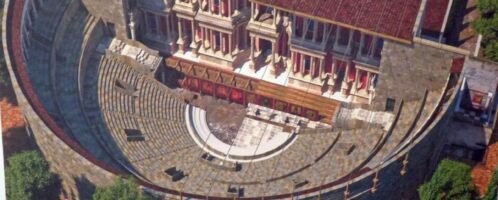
x=132, y=25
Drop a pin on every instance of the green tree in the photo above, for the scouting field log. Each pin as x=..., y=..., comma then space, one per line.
x=452, y=180
x=487, y=25
x=492, y=187
x=122, y=189
x=28, y=177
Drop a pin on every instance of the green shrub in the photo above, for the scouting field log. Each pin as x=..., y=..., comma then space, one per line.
x=122, y=189
x=452, y=180
x=28, y=177
x=487, y=25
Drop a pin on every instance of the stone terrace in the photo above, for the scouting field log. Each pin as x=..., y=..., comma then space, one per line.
x=406, y=72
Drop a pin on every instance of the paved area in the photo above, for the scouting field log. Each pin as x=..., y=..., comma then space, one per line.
x=254, y=133
x=407, y=72
x=373, y=117
x=256, y=140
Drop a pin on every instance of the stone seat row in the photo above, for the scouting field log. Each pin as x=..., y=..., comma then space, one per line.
x=154, y=103
x=159, y=116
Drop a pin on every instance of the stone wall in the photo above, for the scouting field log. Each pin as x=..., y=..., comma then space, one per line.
x=419, y=167
x=79, y=175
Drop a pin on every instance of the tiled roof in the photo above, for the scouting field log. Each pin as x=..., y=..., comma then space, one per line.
x=435, y=13
x=388, y=18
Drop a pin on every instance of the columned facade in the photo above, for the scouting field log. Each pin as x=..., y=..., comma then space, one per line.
x=157, y=24
x=317, y=56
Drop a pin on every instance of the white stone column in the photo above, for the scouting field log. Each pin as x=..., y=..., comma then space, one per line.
x=194, y=31
x=334, y=66
x=180, y=42
x=256, y=10
x=273, y=57
x=230, y=44
x=204, y=39
x=369, y=90
x=236, y=40
x=211, y=6
x=252, y=62
x=331, y=81
x=221, y=8
x=213, y=41
x=133, y=26
x=345, y=84
x=321, y=65
x=274, y=13
x=312, y=67
x=356, y=80
x=252, y=11
x=293, y=65
x=194, y=44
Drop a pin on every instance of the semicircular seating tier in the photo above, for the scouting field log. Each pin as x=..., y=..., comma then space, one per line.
x=129, y=120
